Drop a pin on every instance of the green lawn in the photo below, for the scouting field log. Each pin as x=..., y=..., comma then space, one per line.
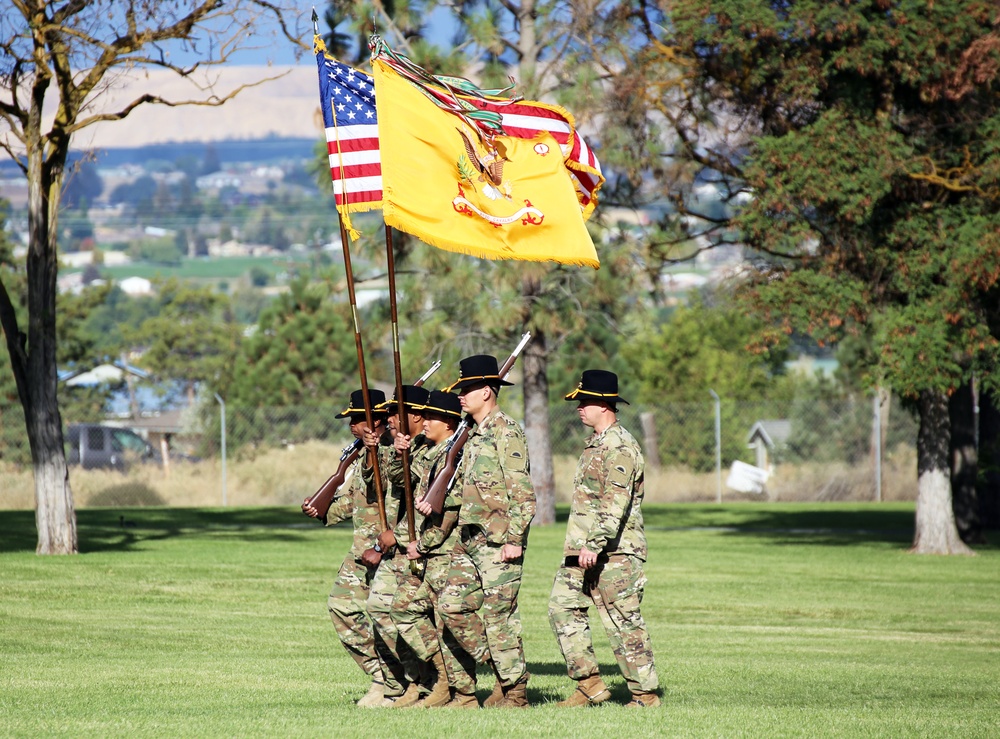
x=220, y=268
x=767, y=620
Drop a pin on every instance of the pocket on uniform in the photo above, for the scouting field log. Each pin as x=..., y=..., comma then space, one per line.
x=621, y=579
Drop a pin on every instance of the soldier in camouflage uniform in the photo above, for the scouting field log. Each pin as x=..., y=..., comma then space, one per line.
x=413, y=608
x=349, y=594
x=478, y=606
x=406, y=680
x=605, y=550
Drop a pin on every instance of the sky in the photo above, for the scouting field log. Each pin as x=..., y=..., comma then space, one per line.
x=272, y=48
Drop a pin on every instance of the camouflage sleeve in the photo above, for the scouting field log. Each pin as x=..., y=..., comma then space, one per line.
x=385, y=457
x=341, y=509
x=419, y=463
x=513, y=455
x=435, y=536
x=394, y=473
x=342, y=506
x=367, y=471
x=615, y=496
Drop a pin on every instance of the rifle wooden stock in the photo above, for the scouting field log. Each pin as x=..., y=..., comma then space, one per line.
x=437, y=491
x=323, y=497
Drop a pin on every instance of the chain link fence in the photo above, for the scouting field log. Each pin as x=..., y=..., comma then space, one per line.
x=815, y=450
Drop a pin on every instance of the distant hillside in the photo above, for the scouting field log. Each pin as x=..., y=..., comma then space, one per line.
x=284, y=108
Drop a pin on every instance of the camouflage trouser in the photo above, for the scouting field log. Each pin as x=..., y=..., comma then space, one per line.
x=478, y=607
x=413, y=609
x=347, y=611
x=399, y=664
x=615, y=589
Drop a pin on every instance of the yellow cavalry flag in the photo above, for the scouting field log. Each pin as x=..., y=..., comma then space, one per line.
x=441, y=183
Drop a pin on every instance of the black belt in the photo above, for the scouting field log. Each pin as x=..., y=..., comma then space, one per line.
x=574, y=560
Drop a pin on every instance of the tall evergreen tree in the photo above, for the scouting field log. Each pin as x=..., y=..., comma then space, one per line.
x=301, y=352
x=867, y=133
x=192, y=338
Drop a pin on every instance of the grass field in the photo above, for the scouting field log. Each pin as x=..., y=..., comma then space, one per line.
x=228, y=268
x=767, y=620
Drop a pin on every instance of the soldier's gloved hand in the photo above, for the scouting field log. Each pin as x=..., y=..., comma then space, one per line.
x=411, y=551
x=371, y=558
x=510, y=552
x=386, y=539
x=401, y=442
x=587, y=558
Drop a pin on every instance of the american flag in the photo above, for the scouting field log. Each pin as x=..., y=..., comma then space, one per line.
x=347, y=99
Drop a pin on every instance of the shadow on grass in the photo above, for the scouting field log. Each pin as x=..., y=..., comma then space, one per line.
x=126, y=529
x=821, y=524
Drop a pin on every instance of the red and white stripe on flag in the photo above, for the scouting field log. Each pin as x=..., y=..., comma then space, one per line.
x=525, y=119
x=350, y=119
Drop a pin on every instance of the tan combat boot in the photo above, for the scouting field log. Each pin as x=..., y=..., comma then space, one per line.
x=409, y=698
x=643, y=700
x=439, y=694
x=589, y=692
x=374, y=695
x=497, y=695
x=516, y=696
x=461, y=700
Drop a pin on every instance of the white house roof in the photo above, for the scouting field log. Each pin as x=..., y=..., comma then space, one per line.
x=136, y=286
x=101, y=374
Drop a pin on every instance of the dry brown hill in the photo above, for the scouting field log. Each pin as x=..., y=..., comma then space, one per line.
x=284, y=107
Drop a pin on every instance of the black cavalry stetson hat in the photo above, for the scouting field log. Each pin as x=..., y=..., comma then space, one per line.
x=413, y=400
x=597, y=385
x=443, y=403
x=357, y=405
x=479, y=369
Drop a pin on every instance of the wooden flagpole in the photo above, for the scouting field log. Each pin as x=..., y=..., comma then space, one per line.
x=372, y=453
x=346, y=247
x=402, y=425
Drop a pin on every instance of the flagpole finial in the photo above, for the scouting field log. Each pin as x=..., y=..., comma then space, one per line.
x=315, y=20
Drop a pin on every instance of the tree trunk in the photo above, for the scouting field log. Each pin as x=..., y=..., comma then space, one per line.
x=527, y=48
x=988, y=485
x=936, y=532
x=35, y=370
x=964, y=463
x=536, y=428
x=880, y=431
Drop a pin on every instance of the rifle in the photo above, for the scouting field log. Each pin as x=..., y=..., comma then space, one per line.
x=445, y=477
x=322, y=498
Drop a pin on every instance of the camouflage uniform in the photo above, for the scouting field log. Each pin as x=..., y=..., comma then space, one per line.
x=479, y=603
x=346, y=603
x=606, y=519
x=413, y=607
x=393, y=577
